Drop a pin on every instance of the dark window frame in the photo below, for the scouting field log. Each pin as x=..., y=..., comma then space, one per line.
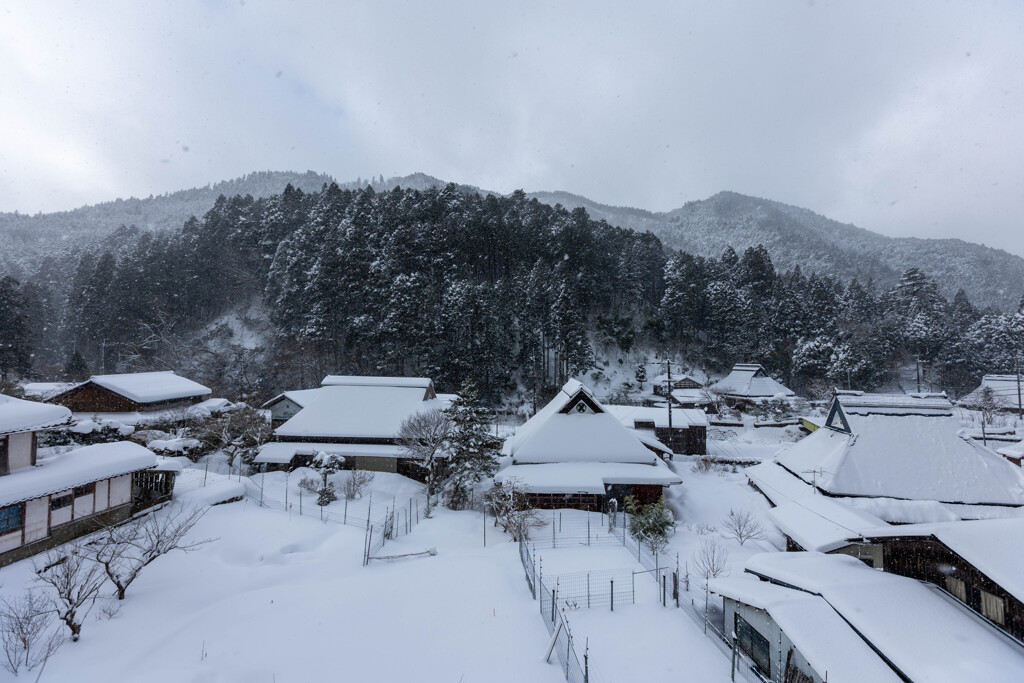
x=5, y=514
x=5, y=462
x=751, y=642
x=61, y=502
x=84, y=490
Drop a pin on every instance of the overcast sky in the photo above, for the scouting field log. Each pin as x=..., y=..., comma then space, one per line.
x=904, y=118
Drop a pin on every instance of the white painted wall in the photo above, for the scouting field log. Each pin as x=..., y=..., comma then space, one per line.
x=37, y=519
x=61, y=516
x=10, y=541
x=121, y=490
x=102, y=491
x=19, y=450
x=83, y=506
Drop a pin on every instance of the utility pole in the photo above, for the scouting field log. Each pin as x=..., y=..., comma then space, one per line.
x=668, y=398
x=918, y=375
x=1020, y=406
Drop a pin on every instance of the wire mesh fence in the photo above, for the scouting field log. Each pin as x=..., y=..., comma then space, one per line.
x=382, y=520
x=575, y=666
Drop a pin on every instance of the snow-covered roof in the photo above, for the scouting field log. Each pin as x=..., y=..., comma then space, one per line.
x=357, y=412
x=559, y=432
x=924, y=633
x=585, y=477
x=750, y=381
x=822, y=523
x=365, y=381
x=1004, y=391
x=896, y=511
x=681, y=417
x=777, y=484
x=994, y=546
x=148, y=387
x=80, y=466
x=282, y=452
x=18, y=415
x=861, y=403
x=1015, y=450
x=911, y=457
x=825, y=640
x=44, y=390
x=300, y=397
x=648, y=438
x=697, y=397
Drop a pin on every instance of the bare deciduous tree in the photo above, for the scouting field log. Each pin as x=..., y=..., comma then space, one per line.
x=72, y=582
x=124, y=551
x=711, y=560
x=356, y=483
x=423, y=437
x=742, y=525
x=27, y=632
x=512, y=510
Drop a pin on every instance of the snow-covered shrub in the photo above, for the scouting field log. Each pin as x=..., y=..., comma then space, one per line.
x=773, y=410
x=326, y=495
x=705, y=463
x=356, y=484
x=310, y=485
x=512, y=510
x=71, y=584
x=703, y=528
x=652, y=524
x=742, y=525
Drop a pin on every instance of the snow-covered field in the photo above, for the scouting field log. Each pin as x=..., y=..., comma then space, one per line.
x=281, y=598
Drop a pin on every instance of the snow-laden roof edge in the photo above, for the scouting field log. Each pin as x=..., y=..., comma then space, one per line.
x=18, y=415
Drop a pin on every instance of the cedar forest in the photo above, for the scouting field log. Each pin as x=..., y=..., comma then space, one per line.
x=505, y=292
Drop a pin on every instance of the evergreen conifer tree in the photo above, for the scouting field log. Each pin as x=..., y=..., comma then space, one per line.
x=472, y=450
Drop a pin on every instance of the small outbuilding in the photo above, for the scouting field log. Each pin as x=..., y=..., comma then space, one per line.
x=1007, y=391
x=687, y=434
x=749, y=384
x=132, y=392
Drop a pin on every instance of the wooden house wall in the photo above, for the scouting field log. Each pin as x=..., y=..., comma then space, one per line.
x=20, y=450
x=92, y=398
x=688, y=441
x=931, y=561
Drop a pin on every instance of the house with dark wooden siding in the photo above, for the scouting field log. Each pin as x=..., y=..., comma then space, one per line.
x=575, y=454
x=978, y=562
x=686, y=435
x=132, y=392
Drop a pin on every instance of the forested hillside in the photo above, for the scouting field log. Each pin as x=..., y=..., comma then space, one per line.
x=508, y=292
x=799, y=237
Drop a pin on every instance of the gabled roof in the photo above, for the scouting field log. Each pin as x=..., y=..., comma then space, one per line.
x=750, y=381
x=1004, y=390
x=574, y=427
x=923, y=633
x=357, y=411
x=300, y=397
x=145, y=387
x=825, y=640
x=994, y=546
x=18, y=415
x=585, y=477
x=911, y=457
x=80, y=466
x=861, y=403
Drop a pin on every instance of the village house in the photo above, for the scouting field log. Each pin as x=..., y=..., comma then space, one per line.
x=977, y=562
x=575, y=454
x=795, y=637
x=286, y=405
x=919, y=631
x=136, y=392
x=688, y=434
x=903, y=457
x=748, y=384
x=1007, y=390
x=356, y=417
x=926, y=404
x=46, y=502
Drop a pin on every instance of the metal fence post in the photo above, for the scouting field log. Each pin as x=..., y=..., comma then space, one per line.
x=588, y=529
x=633, y=586
x=588, y=590
x=613, y=595
x=345, y=520
x=552, y=605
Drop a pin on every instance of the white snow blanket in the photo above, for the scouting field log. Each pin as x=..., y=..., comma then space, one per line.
x=150, y=387
x=44, y=390
x=861, y=403
x=18, y=415
x=913, y=457
x=282, y=452
x=920, y=629
x=215, y=493
x=366, y=381
x=357, y=411
x=824, y=639
x=994, y=546
x=553, y=435
x=750, y=381
x=300, y=397
x=77, y=467
x=822, y=523
x=681, y=417
x=585, y=477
